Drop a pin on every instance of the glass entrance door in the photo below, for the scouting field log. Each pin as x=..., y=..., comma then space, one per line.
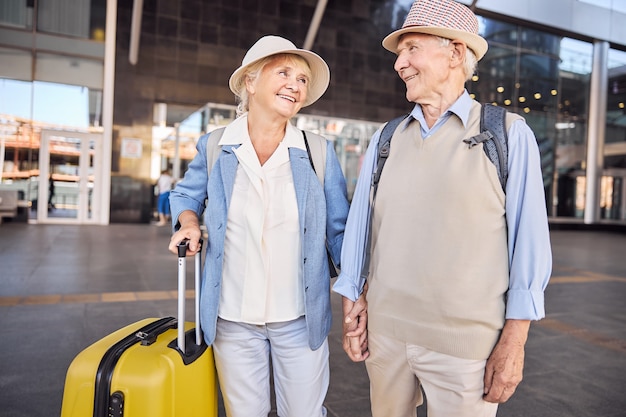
x=69, y=183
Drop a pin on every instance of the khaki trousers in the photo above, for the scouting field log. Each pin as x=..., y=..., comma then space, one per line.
x=398, y=373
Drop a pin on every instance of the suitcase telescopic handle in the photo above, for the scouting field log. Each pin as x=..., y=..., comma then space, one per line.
x=182, y=278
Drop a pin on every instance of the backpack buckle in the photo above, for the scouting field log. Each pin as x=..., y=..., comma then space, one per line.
x=475, y=140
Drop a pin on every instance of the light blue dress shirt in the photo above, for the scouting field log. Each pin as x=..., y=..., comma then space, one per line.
x=530, y=255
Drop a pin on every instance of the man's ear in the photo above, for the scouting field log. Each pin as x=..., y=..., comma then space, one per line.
x=459, y=49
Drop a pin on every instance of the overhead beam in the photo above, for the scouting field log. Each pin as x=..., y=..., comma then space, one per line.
x=315, y=24
x=135, y=31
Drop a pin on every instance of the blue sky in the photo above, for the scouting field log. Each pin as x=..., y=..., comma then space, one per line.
x=58, y=104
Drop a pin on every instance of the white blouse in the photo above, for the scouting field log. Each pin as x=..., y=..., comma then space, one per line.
x=262, y=276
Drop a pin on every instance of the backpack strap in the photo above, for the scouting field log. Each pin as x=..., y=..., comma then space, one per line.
x=212, y=148
x=384, y=147
x=493, y=135
x=317, y=157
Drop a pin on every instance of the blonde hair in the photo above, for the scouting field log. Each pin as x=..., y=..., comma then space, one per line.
x=253, y=71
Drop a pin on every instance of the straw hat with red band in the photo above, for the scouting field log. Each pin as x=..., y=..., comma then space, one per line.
x=272, y=45
x=444, y=18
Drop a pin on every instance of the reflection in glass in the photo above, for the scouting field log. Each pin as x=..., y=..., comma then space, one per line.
x=546, y=79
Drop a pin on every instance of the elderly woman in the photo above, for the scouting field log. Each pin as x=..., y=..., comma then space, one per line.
x=272, y=222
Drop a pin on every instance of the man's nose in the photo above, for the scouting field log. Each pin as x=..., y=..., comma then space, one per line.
x=401, y=63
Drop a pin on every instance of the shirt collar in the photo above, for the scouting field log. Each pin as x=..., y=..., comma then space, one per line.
x=461, y=108
x=236, y=133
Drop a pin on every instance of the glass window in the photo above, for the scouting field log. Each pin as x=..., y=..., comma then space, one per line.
x=60, y=104
x=576, y=59
x=350, y=138
x=613, y=183
x=498, y=32
x=176, y=124
x=616, y=111
x=77, y=18
x=16, y=14
x=64, y=17
x=34, y=106
x=20, y=93
x=545, y=78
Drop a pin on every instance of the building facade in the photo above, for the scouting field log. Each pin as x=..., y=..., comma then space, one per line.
x=97, y=96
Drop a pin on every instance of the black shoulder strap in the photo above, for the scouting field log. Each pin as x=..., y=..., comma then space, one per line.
x=384, y=147
x=494, y=137
x=308, y=151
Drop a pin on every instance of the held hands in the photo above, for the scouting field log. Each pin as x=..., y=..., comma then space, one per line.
x=355, y=327
x=189, y=229
x=505, y=366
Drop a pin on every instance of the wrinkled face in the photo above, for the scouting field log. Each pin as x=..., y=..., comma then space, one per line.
x=281, y=86
x=423, y=63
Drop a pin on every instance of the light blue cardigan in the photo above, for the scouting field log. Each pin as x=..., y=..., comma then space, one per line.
x=322, y=214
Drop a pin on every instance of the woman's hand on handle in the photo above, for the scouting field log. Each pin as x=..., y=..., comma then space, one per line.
x=189, y=229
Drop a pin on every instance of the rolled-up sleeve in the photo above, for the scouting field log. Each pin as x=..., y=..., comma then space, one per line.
x=530, y=254
x=336, y=203
x=350, y=283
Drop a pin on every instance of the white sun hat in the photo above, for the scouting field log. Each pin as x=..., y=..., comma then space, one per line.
x=272, y=45
x=445, y=18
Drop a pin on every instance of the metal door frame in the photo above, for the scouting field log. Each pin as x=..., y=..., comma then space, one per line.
x=83, y=192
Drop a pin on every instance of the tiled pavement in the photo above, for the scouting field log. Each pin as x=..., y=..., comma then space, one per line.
x=64, y=287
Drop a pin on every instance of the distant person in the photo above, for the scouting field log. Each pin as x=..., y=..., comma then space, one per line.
x=164, y=186
x=265, y=302
x=50, y=192
x=458, y=265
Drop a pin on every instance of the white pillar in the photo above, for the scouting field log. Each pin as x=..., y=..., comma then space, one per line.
x=107, y=108
x=596, y=130
x=176, y=163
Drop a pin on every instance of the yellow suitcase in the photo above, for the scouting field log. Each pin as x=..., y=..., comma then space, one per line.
x=141, y=370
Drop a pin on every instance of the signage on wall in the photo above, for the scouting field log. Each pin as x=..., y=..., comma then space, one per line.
x=131, y=148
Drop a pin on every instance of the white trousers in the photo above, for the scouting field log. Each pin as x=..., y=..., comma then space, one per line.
x=453, y=386
x=242, y=358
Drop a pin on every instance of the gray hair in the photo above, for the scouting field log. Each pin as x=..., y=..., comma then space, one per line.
x=252, y=73
x=469, y=63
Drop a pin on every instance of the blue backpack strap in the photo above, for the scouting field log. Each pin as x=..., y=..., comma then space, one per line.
x=384, y=146
x=493, y=135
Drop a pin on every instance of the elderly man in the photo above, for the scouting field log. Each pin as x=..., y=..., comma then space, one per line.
x=458, y=263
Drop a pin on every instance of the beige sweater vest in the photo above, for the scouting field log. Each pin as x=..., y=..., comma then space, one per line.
x=439, y=267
